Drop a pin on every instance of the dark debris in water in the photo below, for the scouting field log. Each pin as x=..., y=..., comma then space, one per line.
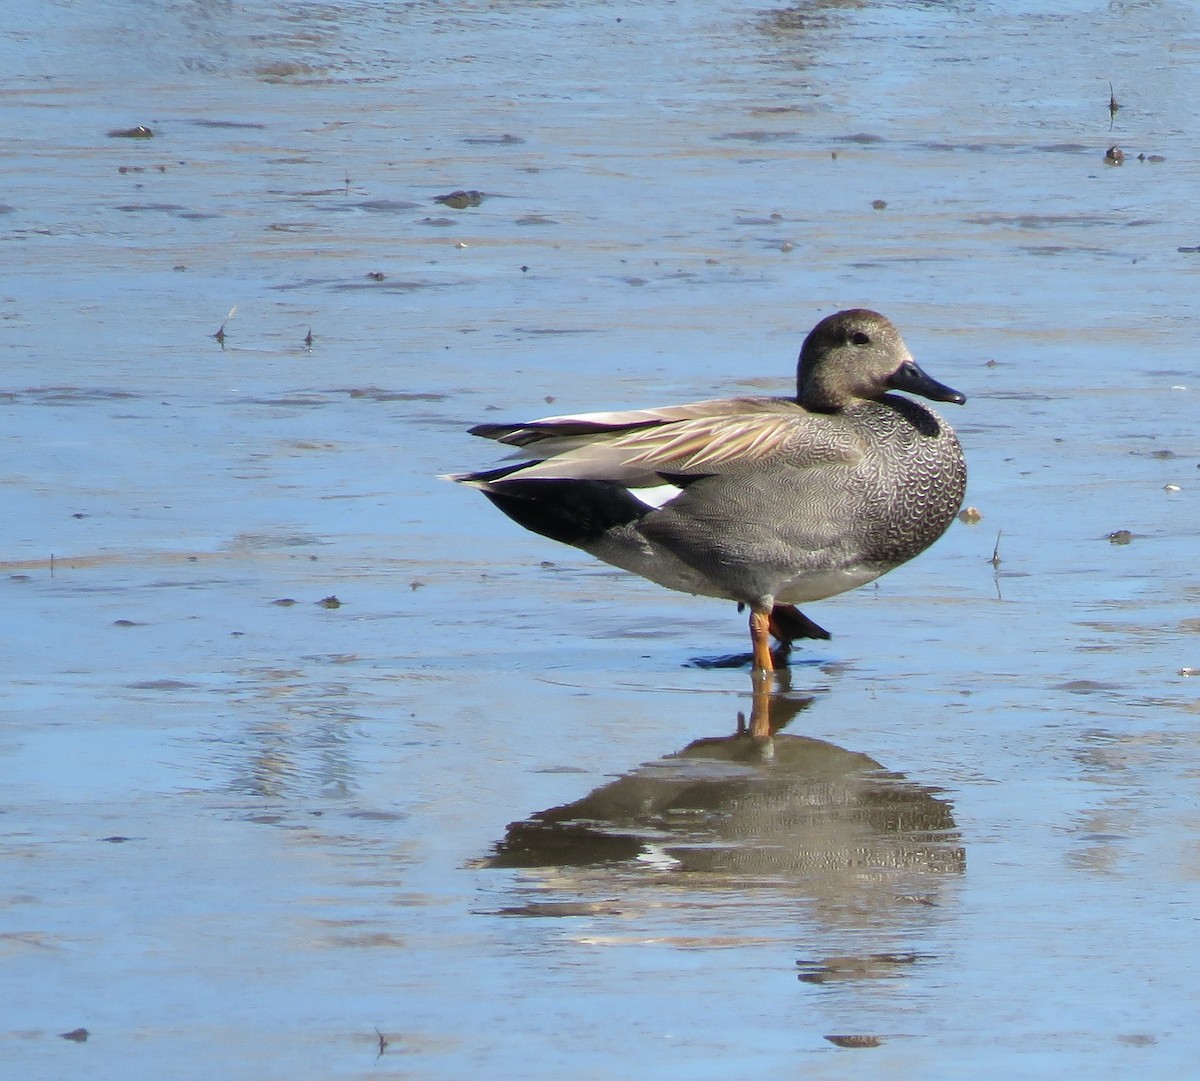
x=1120, y=536
x=557, y=330
x=236, y=125
x=1044, y=221
x=379, y=394
x=871, y=966
x=493, y=140
x=76, y=1035
x=378, y=815
x=560, y=909
x=1063, y=148
x=944, y=147
x=386, y=206
x=285, y=71
x=460, y=200
x=1086, y=686
x=139, y=131
x=330, y=602
x=174, y=209
x=855, y=1041
x=375, y=279
x=64, y=395
x=757, y=136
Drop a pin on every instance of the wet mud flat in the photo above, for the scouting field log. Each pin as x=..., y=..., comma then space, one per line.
x=315, y=764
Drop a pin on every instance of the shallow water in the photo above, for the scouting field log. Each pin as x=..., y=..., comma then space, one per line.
x=481, y=814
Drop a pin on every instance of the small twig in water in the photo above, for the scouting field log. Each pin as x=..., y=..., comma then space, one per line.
x=1112, y=106
x=382, y=1042
x=995, y=561
x=220, y=332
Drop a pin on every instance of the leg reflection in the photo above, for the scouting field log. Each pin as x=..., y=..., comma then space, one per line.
x=764, y=686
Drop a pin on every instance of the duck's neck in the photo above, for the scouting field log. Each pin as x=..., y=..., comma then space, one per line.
x=817, y=398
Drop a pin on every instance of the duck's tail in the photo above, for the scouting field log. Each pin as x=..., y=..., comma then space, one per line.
x=578, y=512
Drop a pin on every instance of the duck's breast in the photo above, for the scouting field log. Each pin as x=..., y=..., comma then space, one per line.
x=913, y=478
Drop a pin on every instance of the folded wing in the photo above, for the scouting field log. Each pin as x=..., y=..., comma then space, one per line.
x=640, y=448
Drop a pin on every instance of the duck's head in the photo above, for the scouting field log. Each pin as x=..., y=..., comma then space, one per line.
x=858, y=354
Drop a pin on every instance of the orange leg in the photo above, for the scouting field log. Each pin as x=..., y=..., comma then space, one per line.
x=760, y=639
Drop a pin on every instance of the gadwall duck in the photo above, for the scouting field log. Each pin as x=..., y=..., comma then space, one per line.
x=773, y=502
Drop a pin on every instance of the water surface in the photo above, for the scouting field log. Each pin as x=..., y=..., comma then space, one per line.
x=317, y=766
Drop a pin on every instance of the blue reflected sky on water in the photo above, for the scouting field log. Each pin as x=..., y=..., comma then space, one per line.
x=309, y=794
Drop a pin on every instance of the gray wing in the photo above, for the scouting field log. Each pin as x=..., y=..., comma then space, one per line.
x=637, y=448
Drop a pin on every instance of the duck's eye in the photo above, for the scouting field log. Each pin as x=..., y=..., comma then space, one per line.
x=860, y=338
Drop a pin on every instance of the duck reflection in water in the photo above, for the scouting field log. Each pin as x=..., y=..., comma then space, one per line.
x=778, y=808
